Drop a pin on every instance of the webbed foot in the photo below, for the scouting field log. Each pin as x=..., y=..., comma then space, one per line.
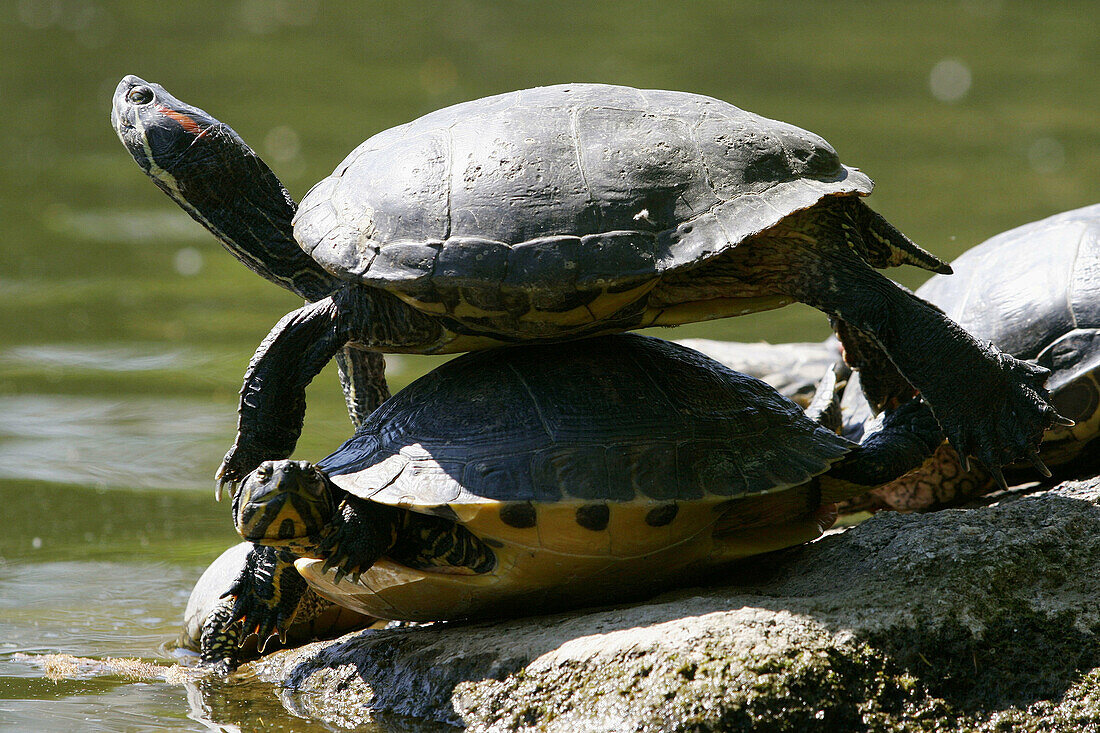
x=266, y=594
x=353, y=543
x=1008, y=421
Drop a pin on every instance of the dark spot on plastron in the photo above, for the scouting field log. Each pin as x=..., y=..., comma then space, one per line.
x=662, y=515
x=286, y=529
x=492, y=543
x=520, y=516
x=593, y=516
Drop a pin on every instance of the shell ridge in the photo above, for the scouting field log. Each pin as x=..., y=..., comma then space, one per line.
x=708, y=176
x=450, y=179
x=575, y=137
x=534, y=401
x=1072, y=281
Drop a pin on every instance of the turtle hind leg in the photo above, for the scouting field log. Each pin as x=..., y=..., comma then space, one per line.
x=991, y=406
x=363, y=379
x=940, y=482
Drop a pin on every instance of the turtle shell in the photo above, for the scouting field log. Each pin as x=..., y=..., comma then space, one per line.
x=558, y=198
x=579, y=447
x=599, y=469
x=1034, y=291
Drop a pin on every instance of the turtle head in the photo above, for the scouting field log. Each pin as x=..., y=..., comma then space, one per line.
x=284, y=504
x=166, y=136
x=216, y=178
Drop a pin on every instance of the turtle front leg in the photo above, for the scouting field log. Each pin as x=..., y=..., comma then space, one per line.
x=263, y=600
x=273, y=398
x=359, y=533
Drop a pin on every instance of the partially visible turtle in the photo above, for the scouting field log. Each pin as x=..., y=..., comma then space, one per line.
x=205, y=620
x=793, y=369
x=1034, y=291
x=537, y=478
x=566, y=211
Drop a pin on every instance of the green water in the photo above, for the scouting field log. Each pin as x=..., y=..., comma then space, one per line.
x=124, y=328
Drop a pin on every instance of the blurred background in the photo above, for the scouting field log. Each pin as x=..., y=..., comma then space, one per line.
x=125, y=328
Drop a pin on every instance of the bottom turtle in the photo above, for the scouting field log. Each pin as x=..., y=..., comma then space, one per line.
x=207, y=614
x=537, y=478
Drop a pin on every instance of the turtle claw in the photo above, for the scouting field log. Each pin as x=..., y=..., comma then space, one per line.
x=1063, y=421
x=1013, y=429
x=1037, y=462
x=999, y=477
x=236, y=465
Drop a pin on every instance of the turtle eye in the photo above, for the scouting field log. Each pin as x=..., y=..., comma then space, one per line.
x=140, y=95
x=315, y=483
x=263, y=473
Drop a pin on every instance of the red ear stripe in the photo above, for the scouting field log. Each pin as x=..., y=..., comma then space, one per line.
x=186, y=122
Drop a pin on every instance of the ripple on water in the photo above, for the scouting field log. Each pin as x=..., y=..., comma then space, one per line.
x=140, y=442
x=121, y=358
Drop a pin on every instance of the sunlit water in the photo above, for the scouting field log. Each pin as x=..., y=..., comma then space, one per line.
x=124, y=329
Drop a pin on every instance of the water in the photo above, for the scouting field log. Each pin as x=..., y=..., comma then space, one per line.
x=125, y=329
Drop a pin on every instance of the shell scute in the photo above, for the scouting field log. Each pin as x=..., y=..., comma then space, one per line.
x=406, y=262
x=470, y=261
x=578, y=473
x=505, y=478
x=623, y=259
x=546, y=269
x=647, y=470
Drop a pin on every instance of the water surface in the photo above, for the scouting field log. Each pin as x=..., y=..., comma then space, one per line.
x=124, y=328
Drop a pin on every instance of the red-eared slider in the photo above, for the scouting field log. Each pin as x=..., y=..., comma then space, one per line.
x=205, y=618
x=536, y=478
x=566, y=211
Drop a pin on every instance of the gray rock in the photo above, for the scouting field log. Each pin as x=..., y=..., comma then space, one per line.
x=977, y=619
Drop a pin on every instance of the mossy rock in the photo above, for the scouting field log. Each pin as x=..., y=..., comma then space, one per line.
x=985, y=619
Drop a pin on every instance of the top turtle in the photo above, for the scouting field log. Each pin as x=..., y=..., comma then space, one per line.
x=567, y=211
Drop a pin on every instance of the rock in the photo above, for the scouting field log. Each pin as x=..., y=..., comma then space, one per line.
x=976, y=619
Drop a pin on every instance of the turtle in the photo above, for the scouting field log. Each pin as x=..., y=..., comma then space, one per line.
x=567, y=211
x=205, y=614
x=1034, y=291
x=543, y=477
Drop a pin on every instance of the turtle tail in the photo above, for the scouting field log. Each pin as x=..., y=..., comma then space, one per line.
x=884, y=245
